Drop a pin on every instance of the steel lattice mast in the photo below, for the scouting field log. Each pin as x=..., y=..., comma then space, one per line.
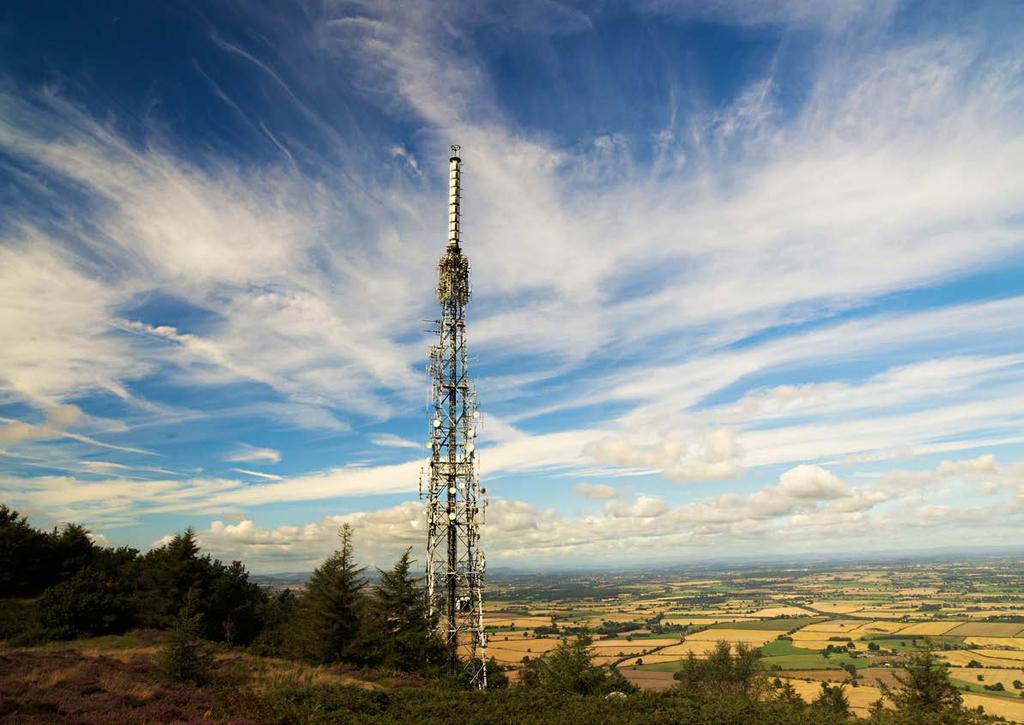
x=455, y=563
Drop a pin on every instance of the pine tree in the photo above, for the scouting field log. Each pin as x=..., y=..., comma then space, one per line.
x=402, y=634
x=926, y=688
x=334, y=606
x=185, y=657
x=832, y=700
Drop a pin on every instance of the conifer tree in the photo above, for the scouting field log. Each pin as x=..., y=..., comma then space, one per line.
x=185, y=657
x=402, y=634
x=334, y=605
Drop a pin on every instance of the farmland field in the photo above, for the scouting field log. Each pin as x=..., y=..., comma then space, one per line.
x=809, y=624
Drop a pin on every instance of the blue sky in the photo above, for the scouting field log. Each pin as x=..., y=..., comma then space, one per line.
x=748, y=277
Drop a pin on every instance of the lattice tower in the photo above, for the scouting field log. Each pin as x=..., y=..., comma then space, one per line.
x=455, y=506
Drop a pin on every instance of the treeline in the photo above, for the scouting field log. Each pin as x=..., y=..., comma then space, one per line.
x=60, y=584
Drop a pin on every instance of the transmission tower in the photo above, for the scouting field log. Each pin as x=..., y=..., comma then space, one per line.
x=455, y=563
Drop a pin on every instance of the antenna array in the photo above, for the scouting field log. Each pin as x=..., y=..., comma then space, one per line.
x=455, y=508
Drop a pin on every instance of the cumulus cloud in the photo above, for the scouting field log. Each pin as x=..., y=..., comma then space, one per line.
x=787, y=516
x=596, y=491
x=715, y=455
x=644, y=507
x=813, y=483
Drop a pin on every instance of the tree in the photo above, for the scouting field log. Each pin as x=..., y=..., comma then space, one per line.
x=832, y=700
x=232, y=604
x=570, y=668
x=334, y=605
x=96, y=600
x=278, y=618
x=185, y=657
x=925, y=692
x=723, y=672
x=168, y=574
x=31, y=560
x=401, y=633
x=786, y=694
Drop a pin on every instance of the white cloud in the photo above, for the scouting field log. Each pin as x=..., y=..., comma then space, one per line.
x=644, y=507
x=390, y=440
x=596, y=491
x=258, y=474
x=246, y=453
x=812, y=482
x=713, y=455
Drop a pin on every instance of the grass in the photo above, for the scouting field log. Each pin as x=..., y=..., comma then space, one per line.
x=814, y=662
x=980, y=689
x=906, y=644
x=782, y=647
x=783, y=654
x=672, y=666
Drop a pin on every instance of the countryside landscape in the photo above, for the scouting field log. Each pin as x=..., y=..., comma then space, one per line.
x=471, y=362
x=174, y=636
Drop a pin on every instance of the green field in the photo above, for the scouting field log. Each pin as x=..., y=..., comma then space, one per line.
x=906, y=644
x=783, y=654
x=976, y=687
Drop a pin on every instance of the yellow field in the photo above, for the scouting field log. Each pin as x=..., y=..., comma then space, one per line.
x=838, y=607
x=877, y=627
x=960, y=658
x=652, y=659
x=1003, y=654
x=987, y=629
x=703, y=620
x=928, y=628
x=753, y=637
x=1012, y=710
x=512, y=652
x=635, y=644
x=885, y=613
x=822, y=644
x=525, y=621
x=783, y=612
x=679, y=651
x=1016, y=643
x=834, y=626
x=991, y=675
x=860, y=698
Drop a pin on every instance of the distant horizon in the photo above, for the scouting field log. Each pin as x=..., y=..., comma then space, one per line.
x=825, y=560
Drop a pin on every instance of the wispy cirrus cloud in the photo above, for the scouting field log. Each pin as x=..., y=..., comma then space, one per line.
x=775, y=274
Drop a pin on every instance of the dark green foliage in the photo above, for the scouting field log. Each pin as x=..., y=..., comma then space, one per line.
x=334, y=607
x=225, y=597
x=569, y=668
x=278, y=616
x=925, y=694
x=96, y=600
x=832, y=700
x=31, y=560
x=723, y=672
x=398, y=633
x=496, y=677
x=185, y=657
